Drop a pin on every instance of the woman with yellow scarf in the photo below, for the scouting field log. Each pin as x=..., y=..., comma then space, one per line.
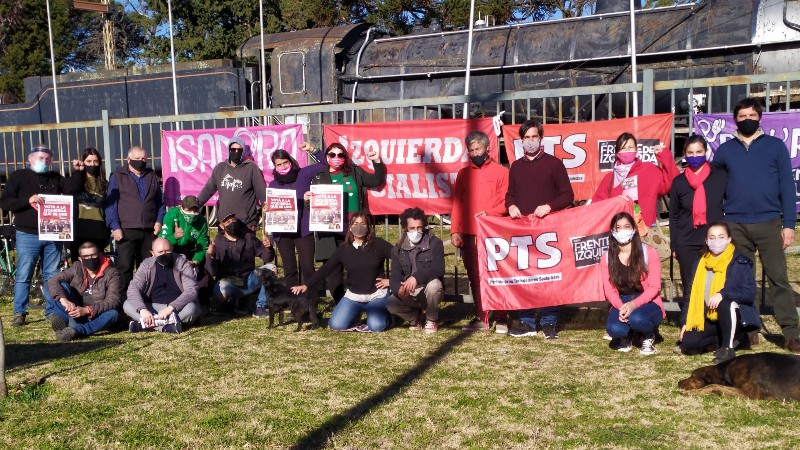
x=720, y=298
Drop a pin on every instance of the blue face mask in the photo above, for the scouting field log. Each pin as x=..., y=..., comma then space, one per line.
x=40, y=167
x=695, y=161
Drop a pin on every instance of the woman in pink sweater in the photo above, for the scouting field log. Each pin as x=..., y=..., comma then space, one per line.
x=631, y=273
x=641, y=181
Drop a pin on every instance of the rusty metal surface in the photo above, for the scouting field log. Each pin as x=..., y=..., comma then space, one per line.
x=300, y=38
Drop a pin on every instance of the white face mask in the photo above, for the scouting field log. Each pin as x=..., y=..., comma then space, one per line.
x=414, y=236
x=717, y=246
x=623, y=236
x=531, y=147
x=190, y=214
x=40, y=167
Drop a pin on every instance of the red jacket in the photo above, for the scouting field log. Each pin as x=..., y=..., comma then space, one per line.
x=651, y=282
x=653, y=181
x=478, y=189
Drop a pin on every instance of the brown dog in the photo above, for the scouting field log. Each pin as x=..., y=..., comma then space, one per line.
x=759, y=376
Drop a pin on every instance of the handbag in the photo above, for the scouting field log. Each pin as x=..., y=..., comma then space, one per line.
x=656, y=238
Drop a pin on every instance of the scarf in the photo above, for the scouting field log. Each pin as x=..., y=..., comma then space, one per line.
x=717, y=264
x=621, y=172
x=289, y=178
x=699, y=202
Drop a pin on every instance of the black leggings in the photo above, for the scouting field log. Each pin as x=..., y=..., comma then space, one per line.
x=715, y=334
x=305, y=253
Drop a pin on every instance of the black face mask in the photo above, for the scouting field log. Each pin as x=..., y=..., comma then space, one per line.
x=289, y=178
x=166, y=260
x=479, y=160
x=235, y=156
x=747, y=127
x=92, y=264
x=95, y=170
x=137, y=165
x=234, y=229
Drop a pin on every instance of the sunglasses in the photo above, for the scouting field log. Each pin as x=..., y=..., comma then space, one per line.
x=335, y=155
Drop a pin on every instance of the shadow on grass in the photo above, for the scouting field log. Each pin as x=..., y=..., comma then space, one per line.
x=318, y=438
x=28, y=354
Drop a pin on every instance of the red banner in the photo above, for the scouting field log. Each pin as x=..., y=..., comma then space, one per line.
x=587, y=148
x=531, y=262
x=422, y=159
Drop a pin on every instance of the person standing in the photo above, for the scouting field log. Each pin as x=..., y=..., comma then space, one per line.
x=240, y=184
x=695, y=200
x=21, y=197
x=538, y=184
x=89, y=181
x=135, y=211
x=760, y=207
x=480, y=190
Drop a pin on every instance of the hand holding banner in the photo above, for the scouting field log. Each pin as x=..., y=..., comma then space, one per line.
x=532, y=263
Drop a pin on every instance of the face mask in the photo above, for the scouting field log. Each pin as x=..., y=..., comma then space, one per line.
x=235, y=155
x=232, y=229
x=137, y=165
x=336, y=163
x=284, y=170
x=414, y=236
x=695, y=161
x=166, y=260
x=531, y=147
x=747, y=127
x=480, y=159
x=92, y=264
x=359, y=230
x=718, y=246
x=189, y=214
x=626, y=157
x=623, y=236
x=93, y=170
x=40, y=167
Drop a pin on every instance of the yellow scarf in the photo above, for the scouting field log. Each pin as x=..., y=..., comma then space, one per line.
x=717, y=264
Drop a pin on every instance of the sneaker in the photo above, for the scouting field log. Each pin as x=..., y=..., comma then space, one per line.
x=57, y=322
x=522, y=329
x=173, y=328
x=622, y=344
x=66, y=334
x=549, y=331
x=19, y=320
x=476, y=325
x=648, y=345
x=607, y=337
x=260, y=313
x=430, y=327
x=723, y=354
x=135, y=326
x=363, y=328
x=501, y=328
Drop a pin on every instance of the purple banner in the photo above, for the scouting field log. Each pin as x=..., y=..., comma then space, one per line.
x=189, y=156
x=719, y=128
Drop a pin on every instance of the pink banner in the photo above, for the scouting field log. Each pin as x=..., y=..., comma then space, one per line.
x=189, y=156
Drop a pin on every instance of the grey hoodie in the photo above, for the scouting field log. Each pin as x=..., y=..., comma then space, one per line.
x=239, y=187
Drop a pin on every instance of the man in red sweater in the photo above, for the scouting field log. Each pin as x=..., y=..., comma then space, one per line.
x=538, y=184
x=480, y=190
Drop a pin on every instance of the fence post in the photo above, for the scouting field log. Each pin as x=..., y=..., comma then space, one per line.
x=648, y=92
x=106, y=143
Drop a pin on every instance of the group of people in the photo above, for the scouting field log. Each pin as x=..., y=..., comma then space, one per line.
x=721, y=213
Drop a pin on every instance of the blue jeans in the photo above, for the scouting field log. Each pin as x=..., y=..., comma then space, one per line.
x=347, y=311
x=644, y=319
x=252, y=284
x=29, y=249
x=549, y=316
x=83, y=325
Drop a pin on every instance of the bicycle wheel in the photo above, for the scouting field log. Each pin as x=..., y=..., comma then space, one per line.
x=6, y=283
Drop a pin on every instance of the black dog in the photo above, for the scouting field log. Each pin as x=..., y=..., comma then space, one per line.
x=280, y=298
x=759, y=376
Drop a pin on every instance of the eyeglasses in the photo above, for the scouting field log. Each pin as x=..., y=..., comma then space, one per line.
x=335, y=155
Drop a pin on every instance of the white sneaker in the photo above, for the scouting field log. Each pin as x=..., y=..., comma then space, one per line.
x=648, y=346
x=501, y=328
x=622, y=345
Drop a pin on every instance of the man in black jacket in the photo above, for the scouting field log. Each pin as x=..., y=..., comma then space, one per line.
x=134, y=213
x=21, y=197
x=417, y=271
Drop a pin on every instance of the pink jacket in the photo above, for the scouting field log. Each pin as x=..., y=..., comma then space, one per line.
x=651, y=281
x=478, y=189
x=653, y=181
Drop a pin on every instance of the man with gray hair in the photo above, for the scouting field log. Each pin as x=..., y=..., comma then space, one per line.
x=134, y=212
x=480, y=190
x=21, y=197
x=163, y=294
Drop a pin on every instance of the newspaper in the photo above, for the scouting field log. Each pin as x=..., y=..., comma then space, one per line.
x=55, y=218
x=327, y=203
x=281, y=212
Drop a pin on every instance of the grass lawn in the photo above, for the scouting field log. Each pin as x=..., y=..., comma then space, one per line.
x=232, y=383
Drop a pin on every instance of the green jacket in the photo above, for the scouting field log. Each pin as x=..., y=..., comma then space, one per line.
x=194, y=242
